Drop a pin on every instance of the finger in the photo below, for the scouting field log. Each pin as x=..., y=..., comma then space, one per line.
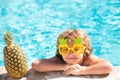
x=67, y=67
x=73, y=72
x=77, y=66
x=72, y=67
x=68, y=72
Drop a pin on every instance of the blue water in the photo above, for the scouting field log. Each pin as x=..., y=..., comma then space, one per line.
x=36, y=24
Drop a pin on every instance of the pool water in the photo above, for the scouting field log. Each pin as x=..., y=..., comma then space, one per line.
x=36, y=24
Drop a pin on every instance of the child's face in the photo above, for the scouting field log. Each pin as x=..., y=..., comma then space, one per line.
x=72, y=58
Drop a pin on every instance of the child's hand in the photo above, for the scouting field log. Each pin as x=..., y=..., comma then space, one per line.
x=73, y=69
x=70, y=66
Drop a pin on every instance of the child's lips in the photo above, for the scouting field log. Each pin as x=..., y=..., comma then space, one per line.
x=71, y=58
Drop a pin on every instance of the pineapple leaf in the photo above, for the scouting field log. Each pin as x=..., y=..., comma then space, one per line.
x=63, y=41
x=8, y=37
x=77, y=41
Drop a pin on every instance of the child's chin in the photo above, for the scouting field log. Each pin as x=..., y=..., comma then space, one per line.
x=72, y=62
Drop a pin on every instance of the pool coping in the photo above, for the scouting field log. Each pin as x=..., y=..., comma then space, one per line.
x=33, y=75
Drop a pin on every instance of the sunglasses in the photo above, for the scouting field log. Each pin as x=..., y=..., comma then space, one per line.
x=64, y=49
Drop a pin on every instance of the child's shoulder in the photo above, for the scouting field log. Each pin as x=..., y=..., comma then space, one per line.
x=91, y=60
x=93, y=57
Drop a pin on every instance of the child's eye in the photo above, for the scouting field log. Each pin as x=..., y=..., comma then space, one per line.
x=77, y=49
x=64, y=49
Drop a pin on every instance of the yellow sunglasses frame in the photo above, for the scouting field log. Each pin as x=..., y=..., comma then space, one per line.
x=71, y=48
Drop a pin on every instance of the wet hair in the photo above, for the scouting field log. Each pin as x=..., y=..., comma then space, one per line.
x=70, y=35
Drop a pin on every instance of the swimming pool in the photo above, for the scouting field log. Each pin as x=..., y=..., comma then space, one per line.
x=36, y=24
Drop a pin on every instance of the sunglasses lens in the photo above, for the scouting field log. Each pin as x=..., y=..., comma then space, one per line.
x=78, y=50
x=63, y=50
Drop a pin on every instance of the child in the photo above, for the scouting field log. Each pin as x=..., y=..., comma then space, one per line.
x=74, y=56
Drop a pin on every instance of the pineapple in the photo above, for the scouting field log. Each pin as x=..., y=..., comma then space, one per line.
x=14, y=58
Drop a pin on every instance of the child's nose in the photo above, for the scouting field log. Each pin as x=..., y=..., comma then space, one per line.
x=70, y=52
x=70, y=55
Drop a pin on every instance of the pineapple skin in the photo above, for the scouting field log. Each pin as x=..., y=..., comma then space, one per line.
x=15, y=61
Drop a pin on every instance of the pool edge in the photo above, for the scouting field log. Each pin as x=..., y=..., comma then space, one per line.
x=33, y=75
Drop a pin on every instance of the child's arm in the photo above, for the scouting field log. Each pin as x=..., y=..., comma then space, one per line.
x=96, y=66
x=52, y=64
x=102, y=67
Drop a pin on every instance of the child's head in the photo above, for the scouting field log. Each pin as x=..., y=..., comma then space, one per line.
x=73, y=46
